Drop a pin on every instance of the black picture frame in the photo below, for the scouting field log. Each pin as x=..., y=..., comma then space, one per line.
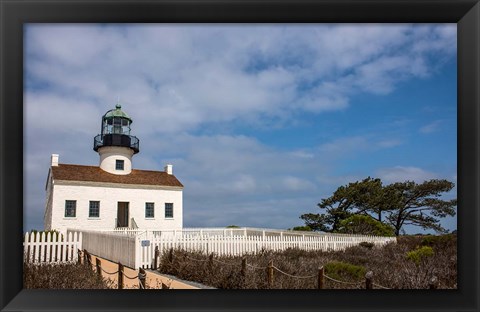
x=14, y=13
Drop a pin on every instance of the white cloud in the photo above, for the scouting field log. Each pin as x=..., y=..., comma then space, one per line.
x=212, y=73
x=401, y=174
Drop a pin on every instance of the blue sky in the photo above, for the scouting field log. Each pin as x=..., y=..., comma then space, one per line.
x=260, y=122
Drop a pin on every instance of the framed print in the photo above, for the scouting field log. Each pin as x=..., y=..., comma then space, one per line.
x=255, y=113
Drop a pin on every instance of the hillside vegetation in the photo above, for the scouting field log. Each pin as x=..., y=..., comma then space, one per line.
x=409, y=264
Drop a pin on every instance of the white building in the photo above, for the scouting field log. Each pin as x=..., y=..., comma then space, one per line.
x=112, y=195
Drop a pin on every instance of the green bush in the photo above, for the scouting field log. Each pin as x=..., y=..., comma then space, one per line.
x=366, y=225
x=344, y=271
x=419, y=254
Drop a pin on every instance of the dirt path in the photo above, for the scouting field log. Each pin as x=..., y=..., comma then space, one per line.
x=153, y=280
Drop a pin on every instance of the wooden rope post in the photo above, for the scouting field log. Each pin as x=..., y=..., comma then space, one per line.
x=210, y=262
x=244, y=267
x=155, y=260
x=99, y=267
x=85, y=257
x=89, y=259
x=369, y=280
x=321, y=279
x=79, y=253
x=270, y=274
x=120, y=276
x=433, y=282
x=142, y=276
x=170, y=255
x=165, y=286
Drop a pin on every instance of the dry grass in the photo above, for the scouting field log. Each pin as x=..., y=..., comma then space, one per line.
x=62, y=276
x=390, y=265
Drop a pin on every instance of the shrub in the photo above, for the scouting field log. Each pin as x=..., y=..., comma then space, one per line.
x=61, y=276
x=441, y=241
x=367, y=245
x=341, y=271
x=366, y=225
x=419, y=254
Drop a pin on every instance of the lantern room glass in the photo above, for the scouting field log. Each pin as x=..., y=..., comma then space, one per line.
x=116, y=125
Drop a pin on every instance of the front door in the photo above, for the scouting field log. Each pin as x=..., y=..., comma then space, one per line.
x=122, y=214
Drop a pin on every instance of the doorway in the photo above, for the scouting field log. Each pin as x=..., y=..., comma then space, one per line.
x=122, y=214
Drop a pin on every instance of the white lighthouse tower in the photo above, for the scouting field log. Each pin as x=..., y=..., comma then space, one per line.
x=113, y=194
x=114, y=144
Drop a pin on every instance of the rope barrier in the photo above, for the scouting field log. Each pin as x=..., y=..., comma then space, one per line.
x=342, y=282
x=108, y=272
x=294, y=276
x=129, y=276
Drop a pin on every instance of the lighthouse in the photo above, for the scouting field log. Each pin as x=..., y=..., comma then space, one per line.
x=114, y=144
x=113, y=194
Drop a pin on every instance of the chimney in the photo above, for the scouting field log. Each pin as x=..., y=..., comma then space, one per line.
x=169, y=169
x=55, y=160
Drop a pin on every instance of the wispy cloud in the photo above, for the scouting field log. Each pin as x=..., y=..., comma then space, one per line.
x=431, y=127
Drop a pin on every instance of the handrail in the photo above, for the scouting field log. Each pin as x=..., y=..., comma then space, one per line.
x=133, y=223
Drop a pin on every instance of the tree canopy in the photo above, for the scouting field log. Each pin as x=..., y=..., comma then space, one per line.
x=396, y=205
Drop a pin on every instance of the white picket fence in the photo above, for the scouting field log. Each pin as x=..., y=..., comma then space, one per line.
x=136, y=248
x=242, y=244
x=41, y=247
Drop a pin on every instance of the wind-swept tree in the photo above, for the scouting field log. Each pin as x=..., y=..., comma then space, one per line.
x=398, y=204
x=419, y=204
x=361, y=197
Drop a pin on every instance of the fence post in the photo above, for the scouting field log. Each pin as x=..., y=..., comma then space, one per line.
x=320, y=277
x=99, y=267
x=155, y=260
x=244, y=267
x=369, y=280
x=120, y=276
x=141, y=278
x=270, y=274
x=433, y=282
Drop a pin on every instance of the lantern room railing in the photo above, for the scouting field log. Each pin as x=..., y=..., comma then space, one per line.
x=114, y=139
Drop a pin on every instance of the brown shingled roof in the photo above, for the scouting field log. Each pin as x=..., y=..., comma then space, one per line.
x=95, y=174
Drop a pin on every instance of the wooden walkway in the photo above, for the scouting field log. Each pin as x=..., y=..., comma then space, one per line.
x=154, y=280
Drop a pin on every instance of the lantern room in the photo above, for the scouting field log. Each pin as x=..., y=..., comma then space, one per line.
x=115, y=131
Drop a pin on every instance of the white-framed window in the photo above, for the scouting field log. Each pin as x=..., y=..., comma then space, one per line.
x=119, y=164
x=149, y=210
x=168, y=210
x=94, y=209
x=70, y=208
